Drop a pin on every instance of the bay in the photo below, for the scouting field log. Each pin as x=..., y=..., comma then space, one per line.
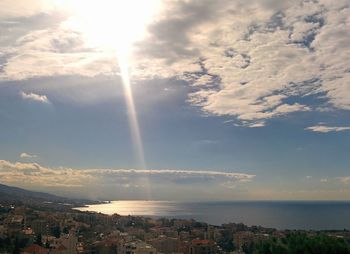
x=309, y=215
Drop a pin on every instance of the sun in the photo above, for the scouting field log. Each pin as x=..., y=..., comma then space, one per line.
x=114, y=25
x=110, y=24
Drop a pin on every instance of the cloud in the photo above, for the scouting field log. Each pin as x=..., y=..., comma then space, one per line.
x=14, y=9
x=344, y=179
x=255, y=57
x=55, y=51
x=257, y=124
x=174, y=173
x=27, y=155
x=324, y=180
x=250, y=60
x=33, y=175
x=35, y=97
x=326, y=129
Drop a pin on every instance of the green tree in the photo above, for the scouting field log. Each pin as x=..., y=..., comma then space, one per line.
x=301, y=243
x=38, y=240
x=56, y=231
x=16, y=249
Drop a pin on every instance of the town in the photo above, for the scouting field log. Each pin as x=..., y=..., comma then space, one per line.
x=59, y=229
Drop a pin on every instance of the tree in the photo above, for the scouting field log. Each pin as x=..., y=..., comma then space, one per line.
x=226, y=241
x=38, y=240
x=301, y=243
x=16, y=249
x=56, y=231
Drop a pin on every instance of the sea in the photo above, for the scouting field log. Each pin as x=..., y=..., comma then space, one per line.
x=308, y=215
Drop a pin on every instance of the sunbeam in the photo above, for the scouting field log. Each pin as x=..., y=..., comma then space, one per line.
x=113, y=26
x=132, y=114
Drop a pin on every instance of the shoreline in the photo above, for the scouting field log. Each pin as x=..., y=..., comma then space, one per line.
x=292, y=215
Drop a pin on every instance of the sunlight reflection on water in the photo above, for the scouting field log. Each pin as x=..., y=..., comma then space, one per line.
x=276, y=214
x=138, y=207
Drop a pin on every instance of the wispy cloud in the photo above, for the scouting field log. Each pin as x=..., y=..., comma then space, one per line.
x=326, y=129
x=28, y=156
x=174, y=173
x=35, y=97
x=257, y=124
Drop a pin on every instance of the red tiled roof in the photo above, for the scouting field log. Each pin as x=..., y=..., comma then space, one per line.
x=61, y=247
x=199, y=241
x=35, y=249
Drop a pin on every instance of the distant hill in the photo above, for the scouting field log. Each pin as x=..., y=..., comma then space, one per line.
x=15, y=195
x=11, y=192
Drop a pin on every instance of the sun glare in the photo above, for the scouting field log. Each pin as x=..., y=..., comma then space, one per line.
x=110, y=24
x=113, y=26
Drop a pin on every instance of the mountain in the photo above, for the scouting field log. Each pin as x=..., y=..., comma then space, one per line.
x=15, y=195
x=9, y=192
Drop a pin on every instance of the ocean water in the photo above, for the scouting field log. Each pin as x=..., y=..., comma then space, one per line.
x=316, y=215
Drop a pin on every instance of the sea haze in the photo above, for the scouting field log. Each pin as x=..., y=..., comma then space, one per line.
x=311, y=215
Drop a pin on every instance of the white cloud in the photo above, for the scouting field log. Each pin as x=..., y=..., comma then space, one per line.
x=326, y=129
x=176, y=173
x=33, y=175
x=324, y=180
x=23, y=8
x=35, y=97
x=344, y=179
x=257, y=124
x=54, y=52
x=27, y=155
x=253, y=60
x=260, y=56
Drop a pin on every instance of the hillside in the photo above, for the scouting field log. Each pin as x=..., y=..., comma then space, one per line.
x=15, y=195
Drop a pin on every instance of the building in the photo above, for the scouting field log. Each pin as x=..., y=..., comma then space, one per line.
x=66, y=244
x=3, y=231
x=166, y=245
x=39, y=227
x=206, y=246
x=246, y=238
x=35, y=249
x=136, y=247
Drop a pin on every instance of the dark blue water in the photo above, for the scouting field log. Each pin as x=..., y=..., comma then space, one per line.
x=316, y=215
x=281, y=215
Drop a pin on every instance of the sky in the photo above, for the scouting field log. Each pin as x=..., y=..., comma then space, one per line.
x=187, y=100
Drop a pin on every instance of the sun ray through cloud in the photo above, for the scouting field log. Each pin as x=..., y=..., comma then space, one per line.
x=132, y=113
x=115, y=26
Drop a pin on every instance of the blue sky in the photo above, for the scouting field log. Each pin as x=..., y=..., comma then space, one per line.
x=234, y=99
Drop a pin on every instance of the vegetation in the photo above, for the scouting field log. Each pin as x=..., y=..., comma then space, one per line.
x=301, y=243
x=226, y=241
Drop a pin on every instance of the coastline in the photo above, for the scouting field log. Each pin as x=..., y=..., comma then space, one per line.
x=299, y=215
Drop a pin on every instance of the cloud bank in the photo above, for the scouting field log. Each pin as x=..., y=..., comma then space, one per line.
x=108, y=182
